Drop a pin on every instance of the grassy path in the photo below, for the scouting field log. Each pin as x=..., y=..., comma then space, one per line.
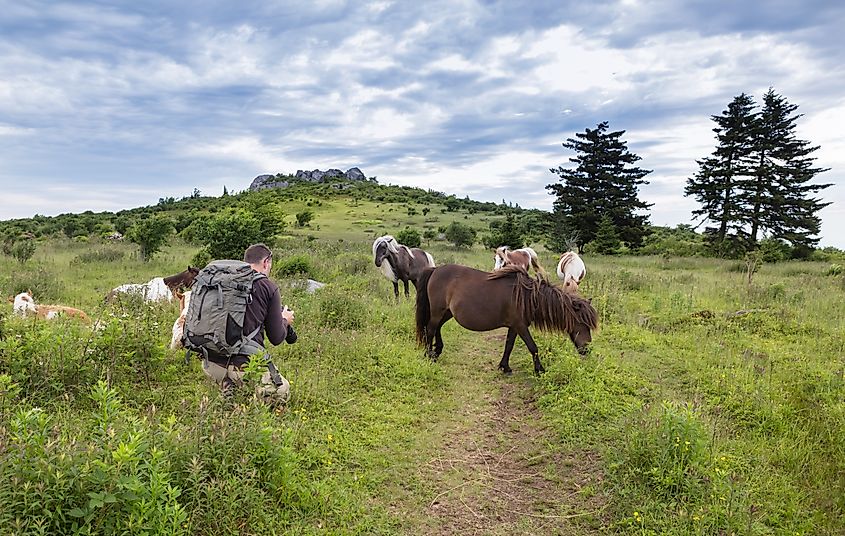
x=489, y=465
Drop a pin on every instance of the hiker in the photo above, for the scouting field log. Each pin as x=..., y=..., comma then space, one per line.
x=233, y=305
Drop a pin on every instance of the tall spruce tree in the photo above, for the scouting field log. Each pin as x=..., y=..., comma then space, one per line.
x=777, y=196
x=716, y=184
x=604, y=182
x=757, y=178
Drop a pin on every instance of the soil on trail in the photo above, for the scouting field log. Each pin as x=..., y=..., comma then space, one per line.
x=498, y=469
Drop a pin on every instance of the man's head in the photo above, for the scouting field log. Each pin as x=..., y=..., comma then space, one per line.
x=259, y=257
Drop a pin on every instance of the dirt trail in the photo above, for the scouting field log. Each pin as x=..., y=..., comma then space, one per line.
x=499, y=470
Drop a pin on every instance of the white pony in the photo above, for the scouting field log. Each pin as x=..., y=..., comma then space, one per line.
x=154, y=290
x=571, y=269
x=179, y=325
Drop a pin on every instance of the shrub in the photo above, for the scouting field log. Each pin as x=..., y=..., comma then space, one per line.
x=293, y=266
x=834, y=270
x=201, y=259
x=460, y=234
x=150, y=234
x=774, y=250
x=302, y=218
x=98, y=256
x=43, y=283
x=23, y=250
x=409, y=237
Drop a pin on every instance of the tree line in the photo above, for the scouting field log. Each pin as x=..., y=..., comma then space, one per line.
x=757, y=183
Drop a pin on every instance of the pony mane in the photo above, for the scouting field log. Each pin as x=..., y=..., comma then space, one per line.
x=387, y=239
x=548, y=306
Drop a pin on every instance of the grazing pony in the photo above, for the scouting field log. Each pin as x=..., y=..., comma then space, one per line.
x=182, y=280
x=481, y=301
x=24, y=304
x=179, y=324
x=398, y=262
x=523, y=257
x=571, y=269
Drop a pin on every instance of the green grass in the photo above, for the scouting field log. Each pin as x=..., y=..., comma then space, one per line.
x=716, y=406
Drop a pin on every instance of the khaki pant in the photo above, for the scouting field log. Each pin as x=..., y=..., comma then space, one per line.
x=230, y=377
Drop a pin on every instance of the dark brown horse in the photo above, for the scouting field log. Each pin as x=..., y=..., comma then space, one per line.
x=182, y=280
x=481, y=301
x=400, y=263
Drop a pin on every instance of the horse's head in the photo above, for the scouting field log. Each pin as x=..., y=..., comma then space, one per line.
x=586, y=319
x=570, y=285
x=382, y=247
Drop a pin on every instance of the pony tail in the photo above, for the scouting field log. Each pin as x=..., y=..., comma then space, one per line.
x=423, y=307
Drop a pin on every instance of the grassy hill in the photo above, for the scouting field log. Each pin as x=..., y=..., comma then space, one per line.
x=708, y=404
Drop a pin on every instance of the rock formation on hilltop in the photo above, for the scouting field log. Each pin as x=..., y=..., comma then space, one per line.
x=262, y=182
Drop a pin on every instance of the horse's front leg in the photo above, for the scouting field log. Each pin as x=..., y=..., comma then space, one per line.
x=504, y=364
x=525, y=335
x=407, y=294
x=396, y=290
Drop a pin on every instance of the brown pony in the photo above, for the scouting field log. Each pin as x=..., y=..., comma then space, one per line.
x=481, y=301
x=400, y=263
x=182, y=280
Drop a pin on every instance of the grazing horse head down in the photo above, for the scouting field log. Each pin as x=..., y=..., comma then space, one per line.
x=182, y=280
x=24, y=304
x=571, y=270
x=523, y=257
x=400, y=263
x=482, y=301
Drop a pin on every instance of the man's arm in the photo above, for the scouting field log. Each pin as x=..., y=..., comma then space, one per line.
x=275, y=325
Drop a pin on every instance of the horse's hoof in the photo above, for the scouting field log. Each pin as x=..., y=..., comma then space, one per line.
x=506, y=371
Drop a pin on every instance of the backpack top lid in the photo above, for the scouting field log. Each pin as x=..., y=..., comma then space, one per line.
x=215, y=319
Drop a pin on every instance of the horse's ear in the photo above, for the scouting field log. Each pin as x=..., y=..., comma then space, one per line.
x=590, y=301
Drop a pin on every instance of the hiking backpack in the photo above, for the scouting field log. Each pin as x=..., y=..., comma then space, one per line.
x=214, y=322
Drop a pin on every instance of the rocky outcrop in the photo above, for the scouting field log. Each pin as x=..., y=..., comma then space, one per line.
x=262, y=182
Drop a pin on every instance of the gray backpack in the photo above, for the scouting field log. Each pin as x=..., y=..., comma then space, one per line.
x=214, y=322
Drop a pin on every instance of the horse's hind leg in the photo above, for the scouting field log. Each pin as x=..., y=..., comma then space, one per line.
x=504, y=364
x=438, y=338
x=525, y=335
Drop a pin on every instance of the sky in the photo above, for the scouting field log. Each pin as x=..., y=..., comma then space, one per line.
x=113, y=105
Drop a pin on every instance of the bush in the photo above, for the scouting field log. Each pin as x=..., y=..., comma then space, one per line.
x=23, y=250
x=98, y=256
x=43, y=284
x=834, y=270
x=302, y=218
x=460, y=234
x=409, y=237
x=201, y=259
x=150, y=234
x=295, y=265
x=774, y=250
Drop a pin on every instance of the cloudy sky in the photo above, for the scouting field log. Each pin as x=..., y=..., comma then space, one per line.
x=105, y=107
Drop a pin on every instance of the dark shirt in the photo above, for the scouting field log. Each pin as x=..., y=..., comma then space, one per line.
x=265, y=310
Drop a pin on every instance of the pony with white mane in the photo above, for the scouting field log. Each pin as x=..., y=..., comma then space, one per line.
x=24, y=304
x=524, y=257
x=571, y=270
x=400, y=263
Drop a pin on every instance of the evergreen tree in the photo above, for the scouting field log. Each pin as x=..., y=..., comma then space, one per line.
x=716, y=183
x=776, y=195
x=603, y=182
x=606, y=241
x=505, y=233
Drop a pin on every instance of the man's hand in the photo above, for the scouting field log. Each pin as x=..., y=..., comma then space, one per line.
x=287, y=314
